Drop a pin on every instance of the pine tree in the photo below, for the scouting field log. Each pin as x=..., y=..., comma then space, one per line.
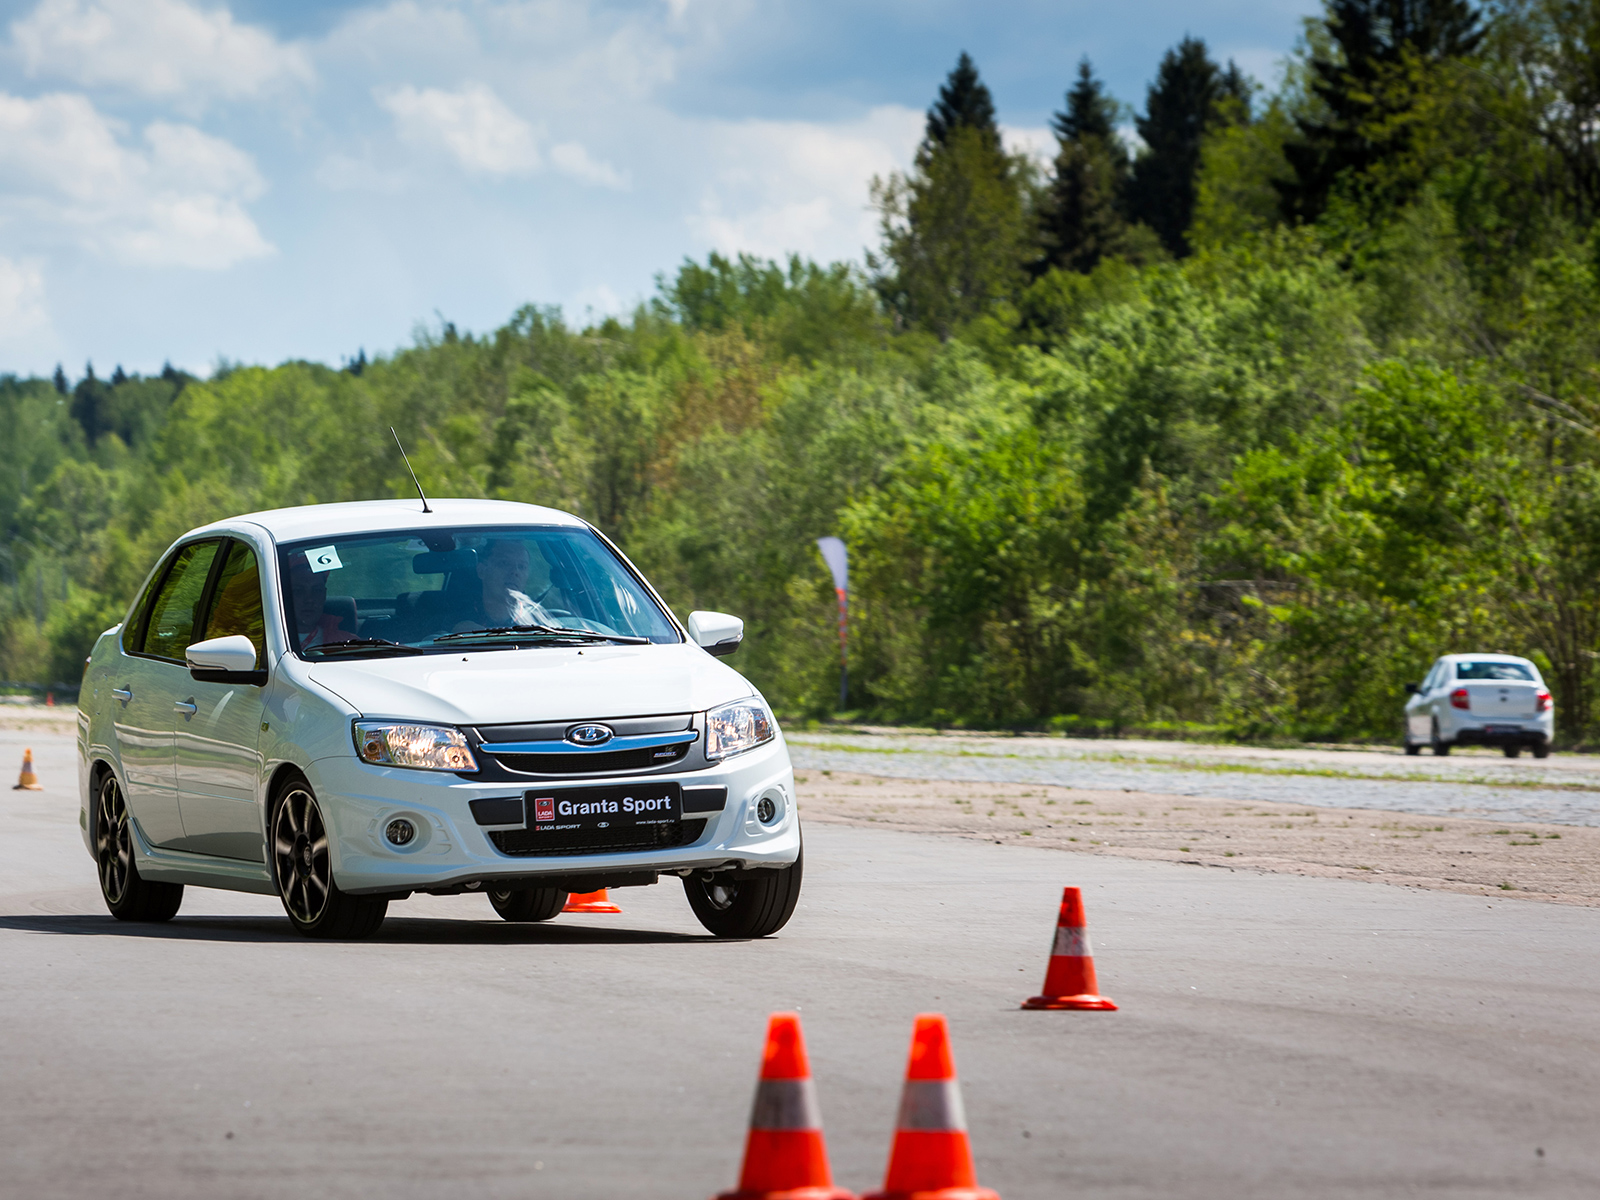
x=119, y=376
x=956, y=229
x=1366, y=85
x=61, y=380
x=1082, y=221
x=1186, y=99
x=964, y=103
x=1091, y=112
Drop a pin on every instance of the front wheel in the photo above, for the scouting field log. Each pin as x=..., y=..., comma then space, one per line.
x=528, y=904
x=128, y=895
x=755, y=906
x=303, y=871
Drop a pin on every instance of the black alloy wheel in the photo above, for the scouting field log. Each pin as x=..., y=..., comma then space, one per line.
x=303, y=870
x=128, y=895
x=1440, y=749
x=527, y=904
x=754, y=906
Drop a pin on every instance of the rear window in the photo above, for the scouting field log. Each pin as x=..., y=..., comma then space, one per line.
x=1493, y=670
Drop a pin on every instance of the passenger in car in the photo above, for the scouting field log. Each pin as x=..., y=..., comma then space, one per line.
x=314, y=624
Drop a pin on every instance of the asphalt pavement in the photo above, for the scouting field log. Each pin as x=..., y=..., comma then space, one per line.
x=1278, y=1036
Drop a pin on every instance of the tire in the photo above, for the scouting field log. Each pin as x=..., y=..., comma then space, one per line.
x=1542, y=750
x=1413, y=749
x=753, y=907
x=128, y=895
x=302, y=869
x=528, y=904
x=1440, y=749
x=1511, y=751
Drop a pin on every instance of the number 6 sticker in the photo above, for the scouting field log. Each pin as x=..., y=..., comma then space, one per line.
x=324, y=558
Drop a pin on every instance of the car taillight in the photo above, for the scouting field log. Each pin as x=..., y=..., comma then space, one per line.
x=1460, y=699
x=1541, y=702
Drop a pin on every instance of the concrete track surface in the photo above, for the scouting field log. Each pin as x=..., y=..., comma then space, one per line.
x=1278, y=1037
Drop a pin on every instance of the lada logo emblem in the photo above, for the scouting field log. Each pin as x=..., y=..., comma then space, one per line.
x=588, y=735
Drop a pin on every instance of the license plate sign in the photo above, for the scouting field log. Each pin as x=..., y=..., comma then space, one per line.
x=607, y=807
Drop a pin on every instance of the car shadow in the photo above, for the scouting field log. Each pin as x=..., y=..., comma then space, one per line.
x=395, y=930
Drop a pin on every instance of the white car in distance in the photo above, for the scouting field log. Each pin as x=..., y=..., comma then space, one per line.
x=345, y=704
x=1480, y=700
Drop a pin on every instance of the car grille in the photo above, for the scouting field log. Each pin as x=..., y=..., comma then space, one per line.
x=598, y=762
x=531, y=842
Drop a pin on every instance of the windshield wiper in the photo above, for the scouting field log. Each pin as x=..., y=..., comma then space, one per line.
x=515, y=632
x=360, y=646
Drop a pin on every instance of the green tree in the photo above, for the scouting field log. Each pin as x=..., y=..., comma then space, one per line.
x=1183, y=103
x=1081, y=217
x=964, y=102
x=1373, y=62
x=958, y=230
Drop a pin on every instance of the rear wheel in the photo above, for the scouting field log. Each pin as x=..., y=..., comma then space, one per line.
x=755, y=906
x=1440, y=749
x=528, y=904
x=1542, y=750
x=128, y=895
x=303, y=871
x=1413, y=749
x=1512, y=751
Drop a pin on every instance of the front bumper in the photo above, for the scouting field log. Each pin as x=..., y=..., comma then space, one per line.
x=452, y=849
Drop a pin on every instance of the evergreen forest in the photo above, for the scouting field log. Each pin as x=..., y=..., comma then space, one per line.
x=1225, y=420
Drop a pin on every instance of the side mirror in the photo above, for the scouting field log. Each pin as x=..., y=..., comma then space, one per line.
x=225, y=660
x=1413, y=688
x=716, y=633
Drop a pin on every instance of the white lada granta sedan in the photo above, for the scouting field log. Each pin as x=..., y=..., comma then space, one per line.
x=344, y=704
x=1480, y=700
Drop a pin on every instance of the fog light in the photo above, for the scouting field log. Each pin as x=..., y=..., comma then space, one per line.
x=401, y=832
x=766, y=811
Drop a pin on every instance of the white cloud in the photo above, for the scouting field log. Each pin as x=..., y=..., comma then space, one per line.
x=178, y=200
x=572, y=159
x=22, y=310
x=1036, y=141
x=162, y=48
x=473, y=124
x=793, y=186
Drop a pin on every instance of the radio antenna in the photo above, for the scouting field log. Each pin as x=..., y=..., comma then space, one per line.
x=407, y=462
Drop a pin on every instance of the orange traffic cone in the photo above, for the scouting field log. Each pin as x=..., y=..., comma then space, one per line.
x=28, y=781
x=931, y=1158
x=591, y=902
x=1069, y=980
x=785, y=1157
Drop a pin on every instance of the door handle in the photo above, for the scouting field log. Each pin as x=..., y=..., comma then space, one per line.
x=186, y=707
x=124, y=694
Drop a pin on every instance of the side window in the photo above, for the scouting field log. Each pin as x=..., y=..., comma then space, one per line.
x=1432, y=681
x=172, y=616
x=237, y=606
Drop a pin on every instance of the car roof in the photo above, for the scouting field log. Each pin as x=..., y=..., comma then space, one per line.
x=381, y=516
x=1488, y=657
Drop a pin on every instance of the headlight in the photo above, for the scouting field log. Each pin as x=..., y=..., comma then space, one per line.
x=735, y=728
x=426, y=747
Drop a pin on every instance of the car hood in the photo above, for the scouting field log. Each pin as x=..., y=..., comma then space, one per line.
x=555, y=683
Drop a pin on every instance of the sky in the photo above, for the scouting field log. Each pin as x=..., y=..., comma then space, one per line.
x=258, y=180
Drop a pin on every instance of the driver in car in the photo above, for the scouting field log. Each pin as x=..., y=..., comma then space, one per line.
x=503, y=568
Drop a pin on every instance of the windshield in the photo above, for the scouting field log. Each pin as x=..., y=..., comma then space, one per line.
x=1493, y=670
x=374, y=592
